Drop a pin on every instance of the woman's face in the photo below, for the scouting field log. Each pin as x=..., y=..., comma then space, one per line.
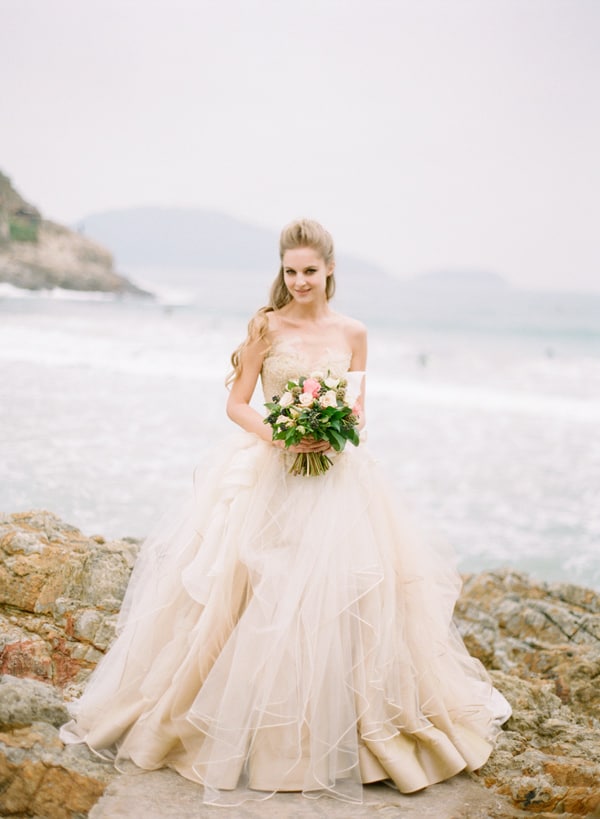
x=305, y=274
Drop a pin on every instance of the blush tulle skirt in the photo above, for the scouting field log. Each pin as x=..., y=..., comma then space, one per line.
x=286, y=633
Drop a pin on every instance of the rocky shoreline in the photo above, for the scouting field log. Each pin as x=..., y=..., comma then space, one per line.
x=60, y=594
x=37, y=254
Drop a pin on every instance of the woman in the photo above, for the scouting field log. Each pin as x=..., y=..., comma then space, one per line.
x=291, y=632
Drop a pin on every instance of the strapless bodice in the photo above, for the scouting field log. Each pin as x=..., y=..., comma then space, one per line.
x=287, y=359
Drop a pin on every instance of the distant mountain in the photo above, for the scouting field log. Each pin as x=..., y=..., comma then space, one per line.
x=195, y=239
x=38, y=254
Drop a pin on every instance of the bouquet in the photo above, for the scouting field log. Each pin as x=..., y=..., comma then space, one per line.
x=317, y=407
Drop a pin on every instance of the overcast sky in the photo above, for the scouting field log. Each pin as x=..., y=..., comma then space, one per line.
x=425, y=134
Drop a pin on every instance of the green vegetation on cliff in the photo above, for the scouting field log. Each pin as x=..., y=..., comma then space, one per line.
x=19, y=221
x=36, y=253
x=22, y=230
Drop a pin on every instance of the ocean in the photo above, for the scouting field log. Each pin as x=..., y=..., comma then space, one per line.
x=483, y=407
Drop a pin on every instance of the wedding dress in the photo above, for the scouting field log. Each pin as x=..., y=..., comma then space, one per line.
x=290, y=633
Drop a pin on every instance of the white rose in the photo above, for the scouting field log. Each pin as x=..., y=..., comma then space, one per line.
x=329, y=399
x=332, y=383
x=283, y=420
x=306, y=399
x=286, y=399
x=317, y=374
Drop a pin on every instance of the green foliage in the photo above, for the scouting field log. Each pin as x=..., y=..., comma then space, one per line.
x=22, y=230
x=292, y=420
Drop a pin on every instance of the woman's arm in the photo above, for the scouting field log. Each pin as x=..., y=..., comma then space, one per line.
x=242, y=389
x=238, y=403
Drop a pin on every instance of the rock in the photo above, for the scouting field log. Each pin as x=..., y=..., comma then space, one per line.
x=60, y=594
x=541, y=643
x=38, y=775
x=36, y=253
x=547, y=631
x=25, y=701
x=165, y=795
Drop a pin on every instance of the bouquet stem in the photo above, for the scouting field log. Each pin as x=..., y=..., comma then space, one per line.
x=310, y=463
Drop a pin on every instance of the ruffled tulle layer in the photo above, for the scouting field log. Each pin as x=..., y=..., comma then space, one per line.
x=290, y=633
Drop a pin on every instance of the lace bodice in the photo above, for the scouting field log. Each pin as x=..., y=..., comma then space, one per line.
x=286, y=359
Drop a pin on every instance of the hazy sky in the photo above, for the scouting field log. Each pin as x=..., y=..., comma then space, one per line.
x=425, y=134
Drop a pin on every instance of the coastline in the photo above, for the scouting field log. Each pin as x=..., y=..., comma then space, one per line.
x=109, y=403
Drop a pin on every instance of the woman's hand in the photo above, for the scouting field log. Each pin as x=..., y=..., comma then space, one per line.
x=305, y=445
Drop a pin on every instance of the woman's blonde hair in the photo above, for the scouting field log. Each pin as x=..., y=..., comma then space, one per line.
x=300, y=233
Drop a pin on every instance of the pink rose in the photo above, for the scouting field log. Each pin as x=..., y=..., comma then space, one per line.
x=311, y=386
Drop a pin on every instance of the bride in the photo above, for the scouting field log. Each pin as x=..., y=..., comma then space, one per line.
x=285, y=632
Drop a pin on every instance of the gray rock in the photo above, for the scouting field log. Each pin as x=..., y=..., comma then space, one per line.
x=24, y=701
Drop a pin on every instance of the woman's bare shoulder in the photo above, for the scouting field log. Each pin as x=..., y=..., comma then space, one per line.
x=354, y=329
x=276, y=322
x=355, y=333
